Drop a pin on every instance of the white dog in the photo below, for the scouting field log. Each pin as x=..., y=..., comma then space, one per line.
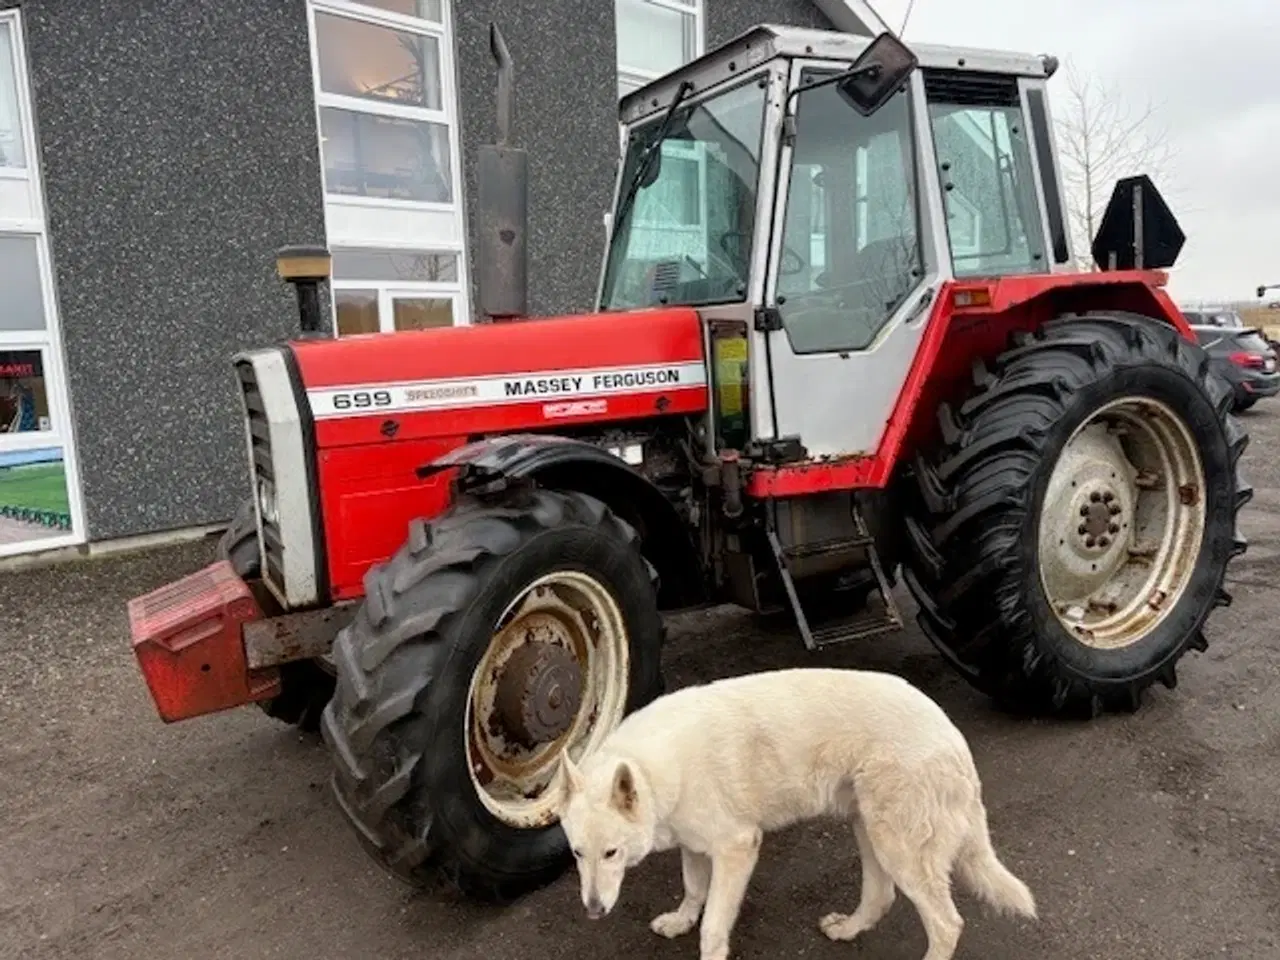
x=711, y=768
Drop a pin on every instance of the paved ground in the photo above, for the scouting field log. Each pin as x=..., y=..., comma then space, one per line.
x=1151, y=836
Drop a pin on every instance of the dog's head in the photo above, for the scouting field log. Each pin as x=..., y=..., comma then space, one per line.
x=608, y=821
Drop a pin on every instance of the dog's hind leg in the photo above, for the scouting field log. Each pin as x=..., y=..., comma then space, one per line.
x=877, y=893
x=922, y=872
x=696, y=870
x=731, y=867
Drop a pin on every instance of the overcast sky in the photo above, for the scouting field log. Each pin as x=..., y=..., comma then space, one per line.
x=1213, y=71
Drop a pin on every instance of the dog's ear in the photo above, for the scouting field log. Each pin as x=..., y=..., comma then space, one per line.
x=570, y=778
x=624, y=789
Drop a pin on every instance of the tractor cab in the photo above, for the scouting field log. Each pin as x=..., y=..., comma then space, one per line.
x=821, y=189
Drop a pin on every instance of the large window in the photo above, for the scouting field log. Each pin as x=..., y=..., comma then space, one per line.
x=13, y=153
x=686, y=237
x=382, y=119
x=39, y=489
x=850, y=243
x=655, y=37
x=387, y=112
x=984, y=162
x=381, y=291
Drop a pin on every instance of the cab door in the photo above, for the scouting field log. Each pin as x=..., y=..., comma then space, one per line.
x=857, y=251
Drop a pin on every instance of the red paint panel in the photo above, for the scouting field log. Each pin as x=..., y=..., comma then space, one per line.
x=506, y=418
x=369, y=496
x=557, y=343
x=953, y=338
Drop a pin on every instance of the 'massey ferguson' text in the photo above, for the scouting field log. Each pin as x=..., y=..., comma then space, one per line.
x=544, y=386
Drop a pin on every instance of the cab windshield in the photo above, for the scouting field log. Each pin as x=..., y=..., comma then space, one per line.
x=687, y=237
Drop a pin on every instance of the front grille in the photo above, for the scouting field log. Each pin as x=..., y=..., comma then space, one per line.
x=259, y=433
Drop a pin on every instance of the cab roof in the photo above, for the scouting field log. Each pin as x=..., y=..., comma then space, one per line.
x=771, y=41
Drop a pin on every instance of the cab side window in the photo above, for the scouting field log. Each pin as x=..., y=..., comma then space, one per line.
x=851, y=249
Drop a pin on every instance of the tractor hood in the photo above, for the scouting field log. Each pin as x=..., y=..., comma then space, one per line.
x=531, y=374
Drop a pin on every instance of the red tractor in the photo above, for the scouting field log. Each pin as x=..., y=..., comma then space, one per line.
x=837, y=341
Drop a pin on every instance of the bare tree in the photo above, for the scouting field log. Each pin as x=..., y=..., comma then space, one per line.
x=1101, y=140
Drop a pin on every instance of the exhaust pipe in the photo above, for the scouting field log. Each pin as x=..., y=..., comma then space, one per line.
x=306, y=268
x=502, y=201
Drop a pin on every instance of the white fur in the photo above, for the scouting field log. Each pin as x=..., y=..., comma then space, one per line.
x=710, y=769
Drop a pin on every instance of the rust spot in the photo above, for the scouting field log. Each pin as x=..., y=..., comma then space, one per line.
x=1189, y=494
x=1102, y=606
x=1157, y=599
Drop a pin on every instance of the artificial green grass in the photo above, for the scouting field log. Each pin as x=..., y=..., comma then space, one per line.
x=37, y=486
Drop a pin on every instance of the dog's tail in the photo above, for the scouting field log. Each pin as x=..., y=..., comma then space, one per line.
x=981, y=870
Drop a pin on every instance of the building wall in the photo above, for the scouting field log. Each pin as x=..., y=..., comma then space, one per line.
x=566, y=117
x=179, y=151
x=727, y=19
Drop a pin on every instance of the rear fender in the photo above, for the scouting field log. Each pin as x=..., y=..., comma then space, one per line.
x=974, y=320
x=564, y=463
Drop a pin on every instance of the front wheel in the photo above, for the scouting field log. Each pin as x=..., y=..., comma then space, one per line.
x=499, y=636
x=1070, y=539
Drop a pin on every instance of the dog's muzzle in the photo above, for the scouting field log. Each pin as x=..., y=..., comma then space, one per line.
x=595, y=909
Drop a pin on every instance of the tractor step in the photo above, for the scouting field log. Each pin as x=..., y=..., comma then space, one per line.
x=869, y=622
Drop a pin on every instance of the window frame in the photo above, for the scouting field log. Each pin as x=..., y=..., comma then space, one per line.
x=48, y=342
x=389, y=290
x=22, y=93
x=638, y=76
x=1038, y=233
x=743, y=81
x=442, y=33
x=387, y=223
x=859, y=220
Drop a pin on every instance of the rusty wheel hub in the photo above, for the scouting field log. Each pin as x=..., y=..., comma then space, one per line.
x=539, y=693
x=553, y=680
x=1101, y=517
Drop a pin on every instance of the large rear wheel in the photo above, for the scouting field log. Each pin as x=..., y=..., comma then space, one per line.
x=499, y=636
x=1070, y=539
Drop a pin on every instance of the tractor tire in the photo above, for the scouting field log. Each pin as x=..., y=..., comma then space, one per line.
x=1057, y=562
x=428, y=684
x=239, y=543
x=305, y=686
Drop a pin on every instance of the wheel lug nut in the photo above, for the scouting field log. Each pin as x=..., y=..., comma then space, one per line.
x=1090, y=542
x=1114, y=509
x=1108, y=497
x=1103, y=541
x=1084, y=510
x=1095, y=496
x=1082, y=529
x=1114, y=528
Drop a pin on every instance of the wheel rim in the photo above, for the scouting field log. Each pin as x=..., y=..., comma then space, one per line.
x=554, y=677
x=1122, y=523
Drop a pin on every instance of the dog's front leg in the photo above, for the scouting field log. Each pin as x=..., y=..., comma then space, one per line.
x=731, y=867
x=696, y=869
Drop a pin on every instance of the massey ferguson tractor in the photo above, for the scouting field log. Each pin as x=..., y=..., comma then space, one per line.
x=838, y=342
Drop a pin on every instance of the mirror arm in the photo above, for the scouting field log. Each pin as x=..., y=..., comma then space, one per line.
x=788, y=114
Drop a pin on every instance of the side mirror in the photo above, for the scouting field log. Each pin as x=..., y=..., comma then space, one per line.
x=1262, y=292
x=878, y=74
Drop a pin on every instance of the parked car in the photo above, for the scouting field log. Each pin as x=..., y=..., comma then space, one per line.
x=1244, y=359
x=1227, y=317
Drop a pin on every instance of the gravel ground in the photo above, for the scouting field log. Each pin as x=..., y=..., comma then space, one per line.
x=1146, y=836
